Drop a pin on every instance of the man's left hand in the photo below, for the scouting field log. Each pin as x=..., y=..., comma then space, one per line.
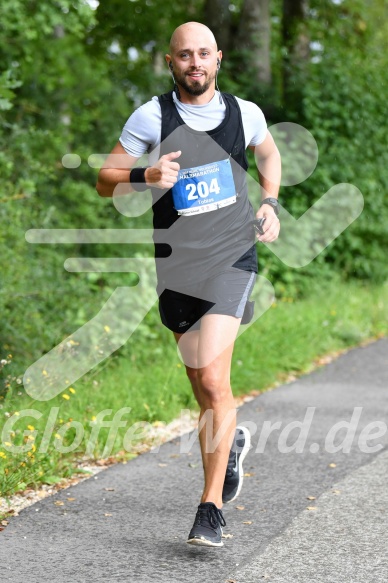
x=271, y=226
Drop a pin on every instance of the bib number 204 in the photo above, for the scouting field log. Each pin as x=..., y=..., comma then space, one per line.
x=202, y=189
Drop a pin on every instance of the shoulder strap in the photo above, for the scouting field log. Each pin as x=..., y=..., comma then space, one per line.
x=166, y=97
x=170, y=119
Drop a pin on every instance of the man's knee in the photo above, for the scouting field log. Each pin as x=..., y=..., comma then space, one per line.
x=213, y=384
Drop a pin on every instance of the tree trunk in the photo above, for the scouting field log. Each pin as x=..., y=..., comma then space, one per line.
x=254, y=39
x=296, y=43
x=217, y=16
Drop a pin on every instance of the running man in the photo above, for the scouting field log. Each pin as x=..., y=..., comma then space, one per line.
x=205, y=253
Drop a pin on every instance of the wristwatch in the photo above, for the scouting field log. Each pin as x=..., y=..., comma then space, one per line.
x=273, y=202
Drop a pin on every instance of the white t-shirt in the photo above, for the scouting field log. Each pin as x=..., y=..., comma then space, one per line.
x=141, y=133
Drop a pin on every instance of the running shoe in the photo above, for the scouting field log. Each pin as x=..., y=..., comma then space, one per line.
x=234, y=471
x=207, y=527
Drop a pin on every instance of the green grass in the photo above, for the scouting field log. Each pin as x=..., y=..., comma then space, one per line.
x=148, y=377
x=291, y=335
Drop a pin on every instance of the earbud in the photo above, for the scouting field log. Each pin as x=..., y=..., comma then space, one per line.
x=218, y=68
x=176, y=88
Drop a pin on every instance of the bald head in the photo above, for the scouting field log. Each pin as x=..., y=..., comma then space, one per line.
x=194, y=61
x=188, y=30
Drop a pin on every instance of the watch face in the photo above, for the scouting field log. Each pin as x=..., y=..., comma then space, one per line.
x=273, y=202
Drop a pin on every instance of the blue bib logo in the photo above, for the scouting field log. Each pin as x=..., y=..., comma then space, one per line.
x=204, y=188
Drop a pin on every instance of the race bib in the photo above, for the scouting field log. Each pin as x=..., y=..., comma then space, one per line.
x=204, y=188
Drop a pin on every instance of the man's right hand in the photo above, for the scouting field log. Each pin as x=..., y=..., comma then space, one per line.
x=164, y=173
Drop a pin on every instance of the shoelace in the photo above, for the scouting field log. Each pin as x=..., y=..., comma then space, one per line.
x=209, y=515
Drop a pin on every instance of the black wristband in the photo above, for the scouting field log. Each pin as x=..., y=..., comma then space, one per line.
x=137, y=179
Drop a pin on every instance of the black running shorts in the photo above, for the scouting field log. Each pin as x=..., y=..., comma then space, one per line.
x=226, y=293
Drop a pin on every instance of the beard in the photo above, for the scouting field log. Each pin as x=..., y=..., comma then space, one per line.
x=194, y=87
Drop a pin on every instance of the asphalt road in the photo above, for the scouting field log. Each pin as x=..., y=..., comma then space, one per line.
x=311, y=515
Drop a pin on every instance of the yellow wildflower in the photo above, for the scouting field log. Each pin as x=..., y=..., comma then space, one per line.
x=57, y=436
x=44, y=373
x=7, y=443
x=2, y=454
x=30, y=427
x=71, y=390
x=65, y=396
x=106, y=328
